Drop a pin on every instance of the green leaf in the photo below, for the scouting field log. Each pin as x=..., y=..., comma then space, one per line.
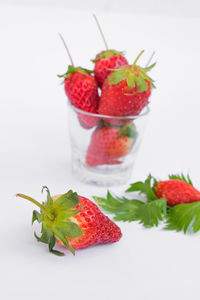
x=149, y=214
x=67, y=200
x=69, y=229
x=141, y=84
x=116, y=77
x=71, y=69
x=182, y=178
x=52, y=242
x=65, y=214
x=145, y=188
x=65, y=241
x=147, y=69
x=128, y=130
x=36, y=217
x=58, y=253
x=130, y=78
x=87, y=70
x=45, y=235
x=184, y=217
x=49, y=199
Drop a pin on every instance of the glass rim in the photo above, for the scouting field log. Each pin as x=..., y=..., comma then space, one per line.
x=145, y=111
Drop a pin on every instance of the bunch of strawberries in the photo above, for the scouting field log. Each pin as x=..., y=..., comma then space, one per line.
x=114, y=88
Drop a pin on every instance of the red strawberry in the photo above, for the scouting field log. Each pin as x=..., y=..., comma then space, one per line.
x=176, y=191
x=108, y=144
x=73, y=221
x=105, y=62
x=126, y=91
x=82, y=91
x=97, y=228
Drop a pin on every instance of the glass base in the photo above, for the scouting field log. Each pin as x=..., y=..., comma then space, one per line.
x=105, y=175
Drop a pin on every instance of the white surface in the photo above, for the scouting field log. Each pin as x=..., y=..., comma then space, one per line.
x=145, y=264
x=185, y=8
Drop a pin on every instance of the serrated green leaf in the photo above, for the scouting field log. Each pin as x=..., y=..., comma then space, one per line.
x=49, y=199
x=181, y=177
x=67, y=200
x=145, y=188
x=152, y=212
x=184, y=217
x=62, y=237
x=69, y=229
x=149, y=214
x=36, y=217
x=116, y=77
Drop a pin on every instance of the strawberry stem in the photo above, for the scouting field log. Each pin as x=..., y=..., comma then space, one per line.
x=150, y=59
x=138, y=57
x=101, y=32
x=32, y=200
x=65, y=45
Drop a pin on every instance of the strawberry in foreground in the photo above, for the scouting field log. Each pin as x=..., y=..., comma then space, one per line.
x=108, y=144
x=73, y=221
x=155, y=206
x=106, y=60
x=126, y=91
x=82, y=91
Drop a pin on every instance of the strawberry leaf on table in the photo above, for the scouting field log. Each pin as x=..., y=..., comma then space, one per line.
x=145, y=188
x=54, y=217
x=149, y=214
x=184, y=217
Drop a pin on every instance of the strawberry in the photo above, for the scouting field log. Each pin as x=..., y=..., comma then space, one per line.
x=82, y=91
x=97, y=228
x=73, y=221
x=126, y=91
x=108, y=144
x=105, y=62
x=176, y=191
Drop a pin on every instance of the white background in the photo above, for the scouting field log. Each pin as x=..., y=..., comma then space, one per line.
x=35, y=150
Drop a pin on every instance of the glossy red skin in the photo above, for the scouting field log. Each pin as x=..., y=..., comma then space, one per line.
x=176, y=192
x=82, y=92
x=106, y=147
x=122, y=100
x=97, y=228
x=102, y=66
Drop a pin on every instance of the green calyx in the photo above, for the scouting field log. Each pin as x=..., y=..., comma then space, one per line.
x=105, y=54
x=54, y=217
x=72, y=69
x=135, y=75
x=127, y=130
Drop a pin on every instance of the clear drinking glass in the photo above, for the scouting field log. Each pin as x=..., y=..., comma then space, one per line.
x=101, y=151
